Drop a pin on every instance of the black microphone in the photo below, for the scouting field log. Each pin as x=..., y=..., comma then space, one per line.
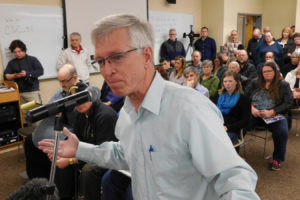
x=60, y=105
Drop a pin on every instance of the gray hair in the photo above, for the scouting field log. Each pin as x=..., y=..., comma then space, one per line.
x=207, y=62
x=235, y=64
x=140, y=32
x=75, y=34
x=172, y=29
x=191, y=69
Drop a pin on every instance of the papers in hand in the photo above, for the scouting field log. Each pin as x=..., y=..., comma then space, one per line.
x=273, y=119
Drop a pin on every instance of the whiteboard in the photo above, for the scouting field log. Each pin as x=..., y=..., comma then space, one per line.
x=82, y=14
x=162, y=22
x=39, y=27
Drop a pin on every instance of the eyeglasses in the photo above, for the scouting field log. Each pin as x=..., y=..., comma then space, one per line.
x=114, y=59
x=267, y=71
x=65, y=81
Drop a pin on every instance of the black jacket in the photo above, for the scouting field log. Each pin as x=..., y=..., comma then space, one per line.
x=101, y=121
x=285, y=103
x=248, y=70
x=238, y=116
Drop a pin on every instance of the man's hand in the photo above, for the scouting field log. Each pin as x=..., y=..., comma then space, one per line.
x=190, y=83
x=108, y=103
x=296, y=95
x=66, y=148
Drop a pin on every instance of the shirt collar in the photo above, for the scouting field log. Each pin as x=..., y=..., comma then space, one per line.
x=152, y=99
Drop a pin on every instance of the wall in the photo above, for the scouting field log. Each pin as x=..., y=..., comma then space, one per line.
x=278, y=14
x=212, y=18
x=231, y=10
x=50, y=86
x=297, y=22
x=186, y=6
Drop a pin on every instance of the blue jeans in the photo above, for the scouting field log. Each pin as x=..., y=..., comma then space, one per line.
x=279, y=131
x=116, y=186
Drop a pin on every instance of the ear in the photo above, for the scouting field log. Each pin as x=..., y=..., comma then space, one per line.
x=148, y=55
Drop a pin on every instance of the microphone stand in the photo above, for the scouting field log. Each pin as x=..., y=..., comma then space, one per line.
x=58, y=127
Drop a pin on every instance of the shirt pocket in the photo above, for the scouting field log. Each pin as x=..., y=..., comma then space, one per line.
x=169, y=169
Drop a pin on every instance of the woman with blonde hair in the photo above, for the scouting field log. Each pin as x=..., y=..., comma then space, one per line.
x=286, y=42
x=177, y=74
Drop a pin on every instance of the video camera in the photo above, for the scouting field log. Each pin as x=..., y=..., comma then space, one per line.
x=191, y=35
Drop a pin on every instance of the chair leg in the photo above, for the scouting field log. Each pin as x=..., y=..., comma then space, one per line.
x=265, y=147
x=297, y=128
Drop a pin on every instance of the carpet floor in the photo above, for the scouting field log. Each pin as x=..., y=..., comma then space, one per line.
x=271, y=185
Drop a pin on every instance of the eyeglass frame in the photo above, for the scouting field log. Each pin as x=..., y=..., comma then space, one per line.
x=66, y=81
x=102, y=62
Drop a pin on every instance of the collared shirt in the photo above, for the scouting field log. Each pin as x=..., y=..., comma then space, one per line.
x=203, y=90
x=175, y=147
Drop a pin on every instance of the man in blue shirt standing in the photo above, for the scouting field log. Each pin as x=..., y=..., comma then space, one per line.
x=172, y=48
x=206, y=45
x=171, y=138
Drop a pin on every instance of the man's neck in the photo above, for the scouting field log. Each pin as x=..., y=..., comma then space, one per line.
x=137, y=97
x=203, y=37
x=76, y=48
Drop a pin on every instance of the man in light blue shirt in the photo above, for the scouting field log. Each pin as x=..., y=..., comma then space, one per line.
x=192, y=76
x=171, y=137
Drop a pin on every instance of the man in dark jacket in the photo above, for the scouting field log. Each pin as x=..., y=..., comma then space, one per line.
x=253, y=43
x=206, y=45
x=247, y=68
x=172, y=48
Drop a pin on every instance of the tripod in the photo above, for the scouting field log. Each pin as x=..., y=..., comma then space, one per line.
x=190, y=48
x=58, y=126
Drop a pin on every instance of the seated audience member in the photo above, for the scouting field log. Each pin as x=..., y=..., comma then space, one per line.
x=192, y=76
x=269, y=45
x=219, y=69
x=37, y=163
x=166, y=65
x=269, y=57
x=116, y=186
x=162, y=71
x=34, y=189
x=94, y=124
x=286, y=42
x=247, y=68
x=208, y=80
x=177, y=74
x=172, y=48
x=109, y=99
x=295, y=47
x=271, y=96
x=256, y=39
x=293, y=78
x=196, y=58
x=232, y=44
x=234, y=105
x=294, y=61
x=235, y=67
x=224, y=57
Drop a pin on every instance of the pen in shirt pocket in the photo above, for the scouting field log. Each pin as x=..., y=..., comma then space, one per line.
x=151, y=149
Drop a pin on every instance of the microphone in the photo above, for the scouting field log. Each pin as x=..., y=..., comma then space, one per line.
x=60, y=105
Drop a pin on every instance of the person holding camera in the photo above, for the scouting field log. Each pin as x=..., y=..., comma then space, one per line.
x=24, y=70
